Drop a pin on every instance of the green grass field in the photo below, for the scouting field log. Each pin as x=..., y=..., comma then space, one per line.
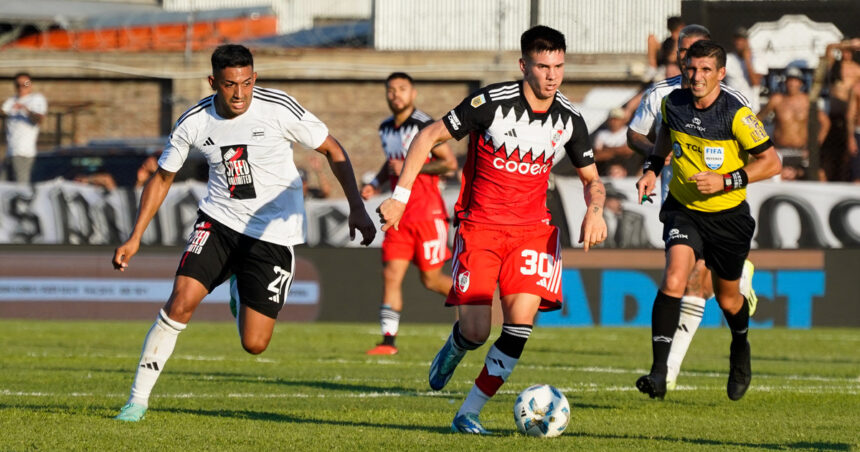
x=315, y=389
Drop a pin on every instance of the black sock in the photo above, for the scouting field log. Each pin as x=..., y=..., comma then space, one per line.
x=664, y=321
x=461, y=342
x=388, y=340
x=739, y=323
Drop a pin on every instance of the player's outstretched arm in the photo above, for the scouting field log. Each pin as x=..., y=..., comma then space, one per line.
x=593, y=230
x=338, y=160
x=153, y=195
x=391, y=210
x=653, y=164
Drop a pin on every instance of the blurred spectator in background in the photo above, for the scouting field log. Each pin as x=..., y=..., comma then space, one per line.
x=743, y=71
x=852, y=119
x=790, y=112
x=625, y=229
x=101, y=179
x=23, y=111
x=662, y=58
x=322, y=189
x=146, y=170
x=610, y=145
x=843, y=73
x=616, y=171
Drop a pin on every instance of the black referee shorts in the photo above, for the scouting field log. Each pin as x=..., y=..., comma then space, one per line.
x=721, y=238
x=264, y=271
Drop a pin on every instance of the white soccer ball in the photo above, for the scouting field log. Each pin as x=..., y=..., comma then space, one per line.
x=542, y=411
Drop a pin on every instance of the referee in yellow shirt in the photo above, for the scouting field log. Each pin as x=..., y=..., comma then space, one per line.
x=711, y=135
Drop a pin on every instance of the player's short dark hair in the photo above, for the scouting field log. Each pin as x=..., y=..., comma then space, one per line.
x=231, y=55
x=674, y=22
x=694, y=30
x=399, y=75
x=708, y=49
x=541, y=38
x=22, y=74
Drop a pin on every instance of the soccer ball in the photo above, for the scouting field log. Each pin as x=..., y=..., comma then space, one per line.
x=542, y=411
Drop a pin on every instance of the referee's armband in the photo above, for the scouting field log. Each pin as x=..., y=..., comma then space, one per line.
x=654, y=163
x=734, y=180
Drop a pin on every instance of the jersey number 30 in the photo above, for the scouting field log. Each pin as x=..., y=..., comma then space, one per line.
x=537, y=263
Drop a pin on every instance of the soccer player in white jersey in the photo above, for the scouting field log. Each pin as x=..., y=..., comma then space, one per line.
x=251, y=217
x=504, y=238
x=423, y=234
x=641, y=135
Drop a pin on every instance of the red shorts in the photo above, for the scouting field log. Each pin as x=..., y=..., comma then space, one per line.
x=521, y=259
x=425, y=243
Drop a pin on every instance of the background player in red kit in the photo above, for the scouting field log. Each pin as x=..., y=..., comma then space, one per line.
x=422, y=237
x=516, y=129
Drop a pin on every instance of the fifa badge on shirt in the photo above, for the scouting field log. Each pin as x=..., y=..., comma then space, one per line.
x=714, y=157
x=676, y=148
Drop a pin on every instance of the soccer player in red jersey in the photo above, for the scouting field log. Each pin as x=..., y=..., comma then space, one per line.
x=422, y=237
x=516, y=131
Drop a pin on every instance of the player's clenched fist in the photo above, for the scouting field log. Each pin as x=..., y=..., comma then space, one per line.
x=708, y=182
x=390, y=212
x=123, y=254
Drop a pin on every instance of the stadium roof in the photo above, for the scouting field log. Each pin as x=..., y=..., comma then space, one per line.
x=77, y=15
x=351, y=34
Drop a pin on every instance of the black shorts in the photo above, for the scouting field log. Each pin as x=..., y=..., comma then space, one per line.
x=264, y=271
x=721, y=238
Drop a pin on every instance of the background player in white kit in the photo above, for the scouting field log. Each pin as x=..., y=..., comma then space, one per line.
x=251, y=217
x=423, y=234
x=641, y=135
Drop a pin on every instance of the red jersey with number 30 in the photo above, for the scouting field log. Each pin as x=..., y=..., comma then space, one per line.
x=511, y=152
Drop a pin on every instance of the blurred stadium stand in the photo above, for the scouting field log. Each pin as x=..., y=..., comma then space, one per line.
x=114, y=68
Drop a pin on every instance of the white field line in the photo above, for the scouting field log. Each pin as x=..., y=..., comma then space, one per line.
x=593, y=369
x=123, y=356
x=426, y=364
x=431, y=394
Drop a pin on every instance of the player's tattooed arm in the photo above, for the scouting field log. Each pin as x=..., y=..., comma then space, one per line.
x=593, y=229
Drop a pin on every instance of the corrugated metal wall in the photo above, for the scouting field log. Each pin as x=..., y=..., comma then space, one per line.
x=608, y=26
x=449, y=24
x=591, y=26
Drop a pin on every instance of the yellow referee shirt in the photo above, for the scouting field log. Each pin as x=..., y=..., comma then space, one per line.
x=718, y=138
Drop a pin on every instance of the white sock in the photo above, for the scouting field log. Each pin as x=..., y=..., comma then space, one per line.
x=389, y=320
x=157, y=348
x=474, y=402
x=692, y=309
